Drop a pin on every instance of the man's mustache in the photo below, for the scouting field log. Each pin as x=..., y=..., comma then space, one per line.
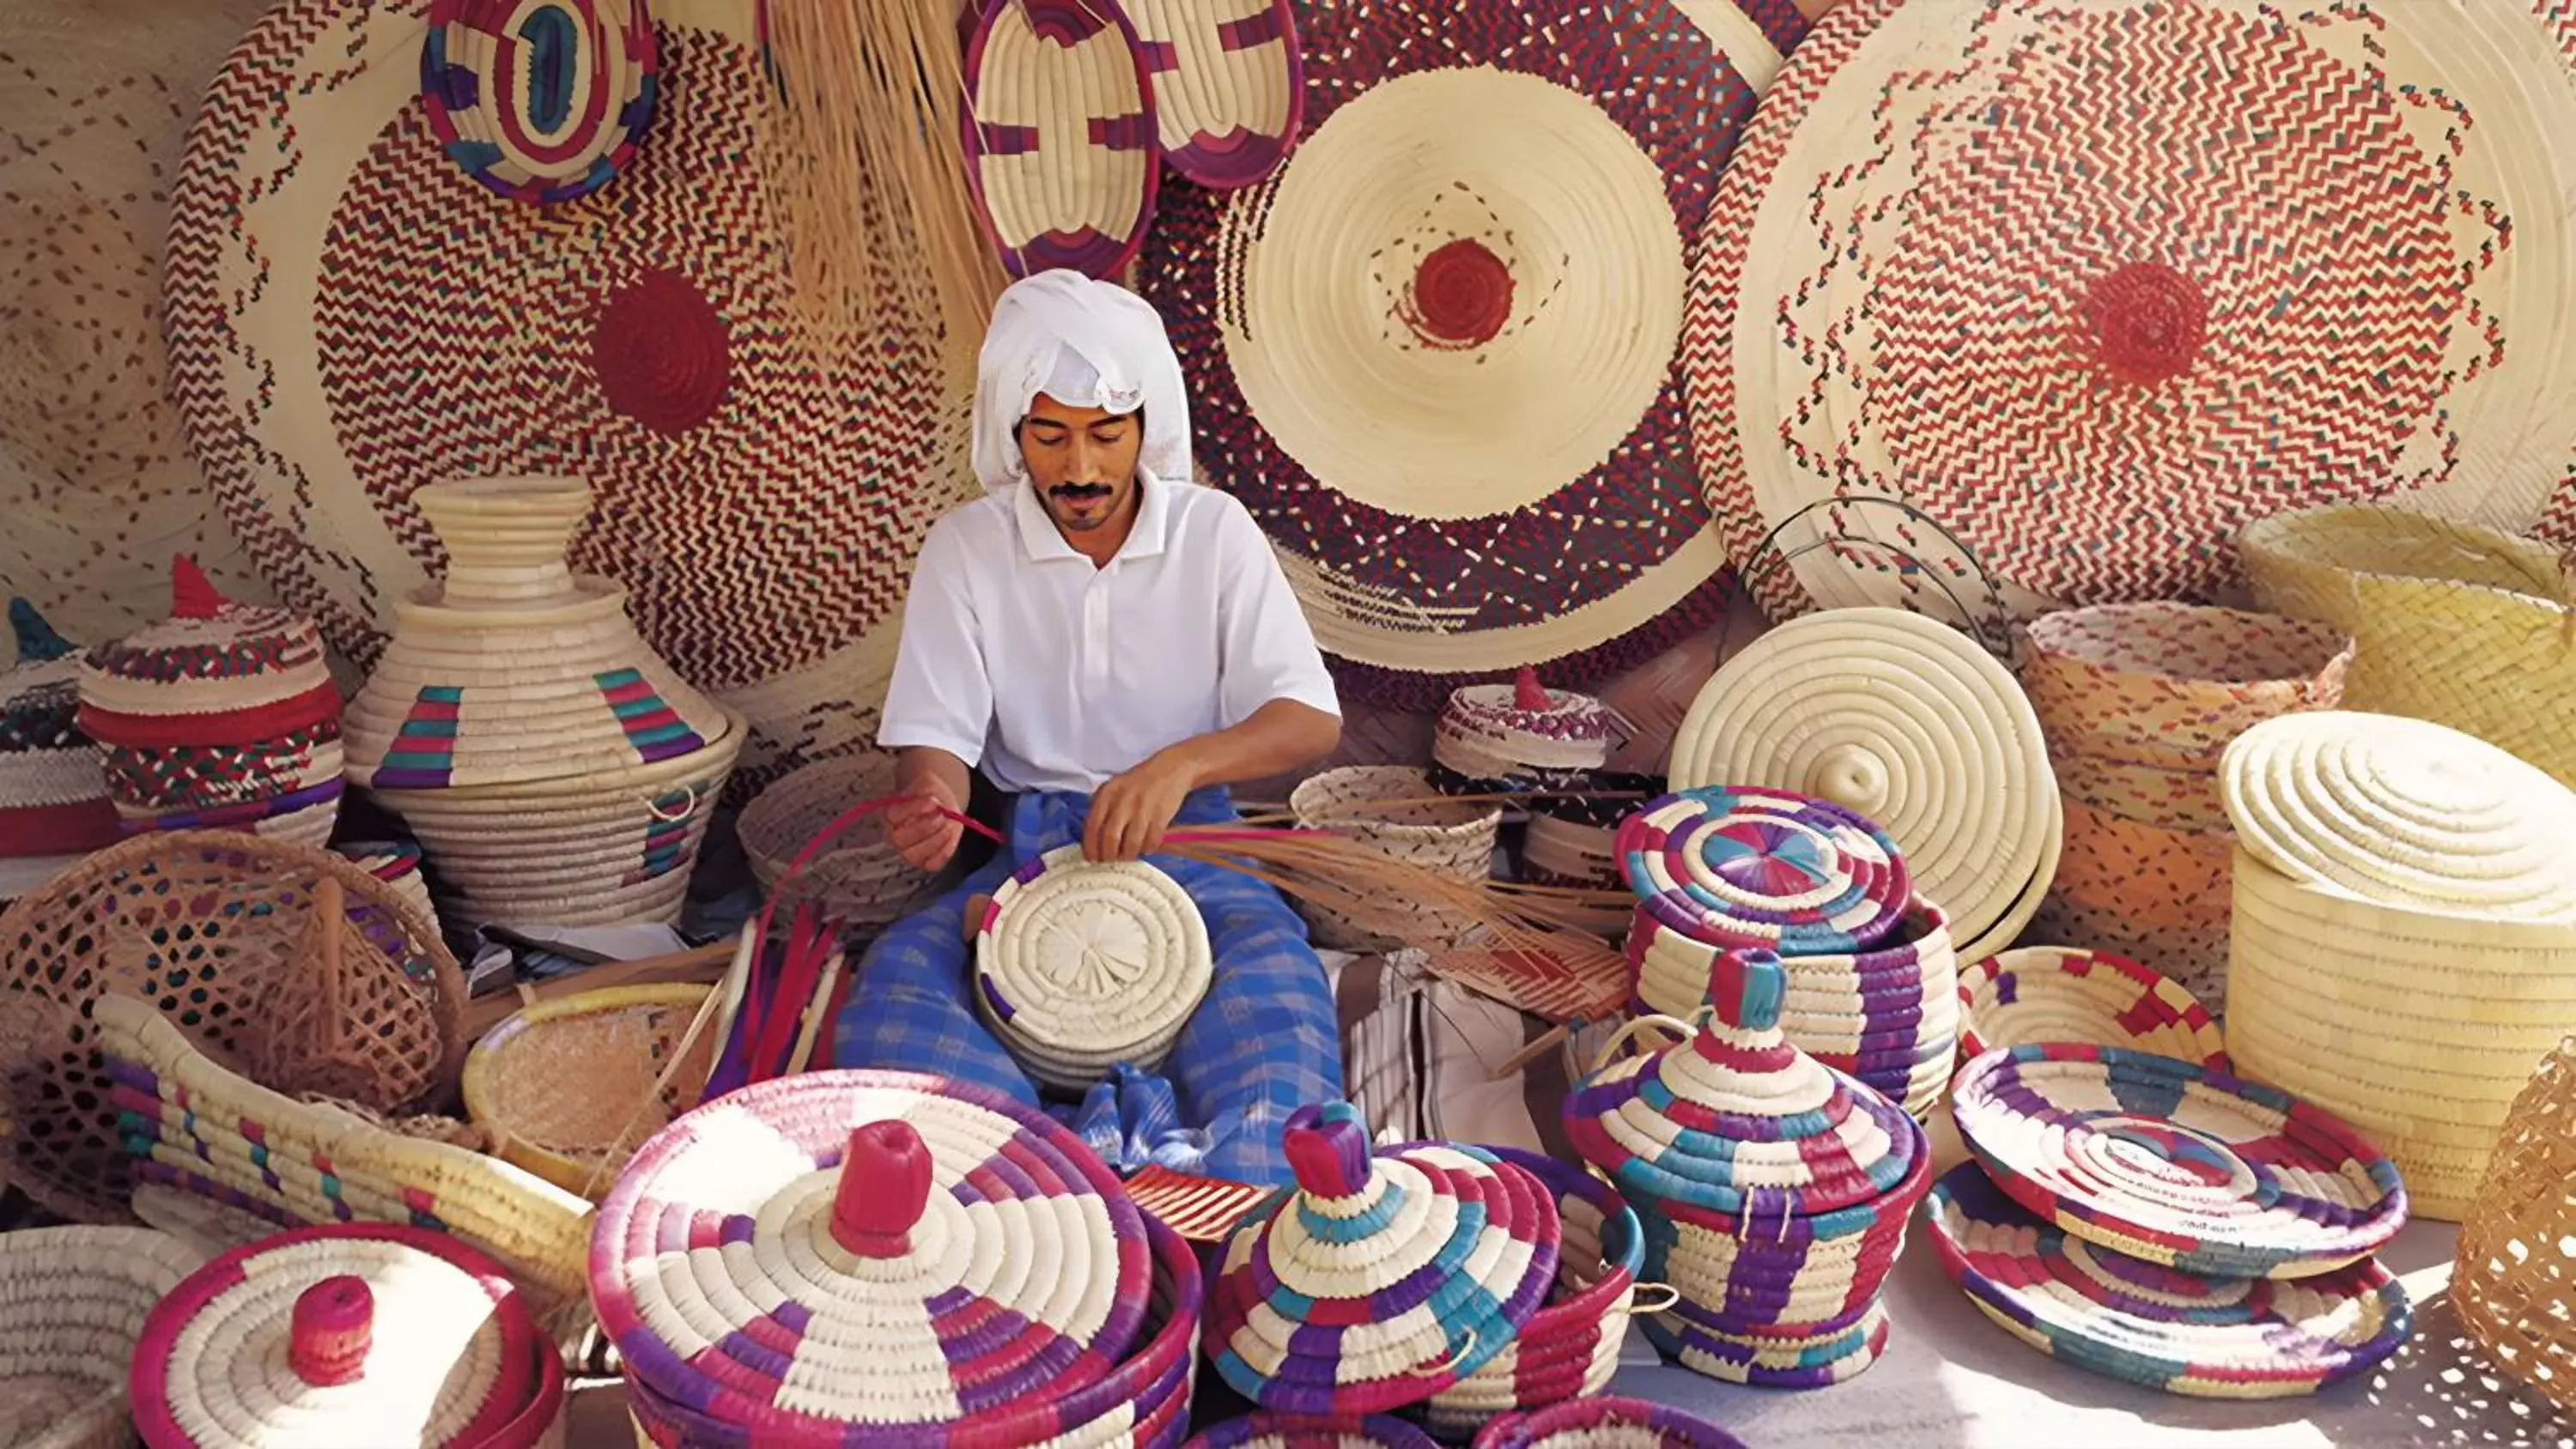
x=1080, y=490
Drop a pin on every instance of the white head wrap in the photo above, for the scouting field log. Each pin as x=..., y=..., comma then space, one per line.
x=1086, y=344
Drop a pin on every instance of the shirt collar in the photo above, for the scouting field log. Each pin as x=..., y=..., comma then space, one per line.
x=1041, y=540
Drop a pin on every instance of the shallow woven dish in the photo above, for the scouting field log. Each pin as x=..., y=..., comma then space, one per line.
x=1602, y=1423
x=1779, y=1361
x=569, y=1089
x=225, y=934
x=1059, y=135
x=2217, y=1338
x=1277, y=1431
x=2515, y=1272
x=2095, y=998
x=1729, y=866
x=2417, y=1027
x=2177, y=1164
x=2452, y=622
x=2172, y=684
x=1228, y=90
x=2167, y=890
x=1454, y=839
x=72, y=1307
x=860, y=879
x=1081, y=966
x=347, y=1334
x=1909, y=723
x=484, y=71
x=1380, y=1278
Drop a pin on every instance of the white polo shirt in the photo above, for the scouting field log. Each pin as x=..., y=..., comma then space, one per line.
x=1020, y=656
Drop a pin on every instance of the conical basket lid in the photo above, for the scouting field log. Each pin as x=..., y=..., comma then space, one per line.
x=2404, y=812
x=515, y=668
x=215, y=672
x=1737, y=1124
x=1378, y=1280
x=1737, y=866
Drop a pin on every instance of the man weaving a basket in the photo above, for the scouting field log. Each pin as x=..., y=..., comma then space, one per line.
x=1112, y=646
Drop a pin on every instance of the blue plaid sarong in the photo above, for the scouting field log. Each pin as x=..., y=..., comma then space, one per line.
x=1265, y=1042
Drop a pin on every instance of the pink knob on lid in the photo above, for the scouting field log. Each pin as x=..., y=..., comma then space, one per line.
x=884, y=1188
x=1528, y=694
x=327, y=1339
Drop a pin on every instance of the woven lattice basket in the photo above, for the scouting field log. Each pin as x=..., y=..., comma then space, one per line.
x=2516, y=1271
x=861, y=879
x=2453, y=623
x=72, y=1306
x=1453, y=839
x=305, y=971
x=569, y=1089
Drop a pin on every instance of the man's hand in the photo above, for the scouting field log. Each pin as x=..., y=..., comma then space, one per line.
x=1130, y=813
x=925, y=837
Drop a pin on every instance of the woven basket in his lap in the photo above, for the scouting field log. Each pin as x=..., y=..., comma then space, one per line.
x=2516, y=1271
x=72, y=1305
x=222, y=933
x=860, y=879
x=569, y=1089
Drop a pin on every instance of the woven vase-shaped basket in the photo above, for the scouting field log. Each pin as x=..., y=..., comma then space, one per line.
x=2173, y=684
x=2516, y=1271
x=201, y=1129
x=1773, y=1190
x=307, y=972
x=569, y=1089
x=1570, y=1347
x=861, y=880
x=1399, y=1303
x=2144, y=891
x=1453, y=839
x=72, y=1307
x=1081, y=966
x=2451, y=622
x=347, y=1334
x=1603, y=1422
x=2095, y=998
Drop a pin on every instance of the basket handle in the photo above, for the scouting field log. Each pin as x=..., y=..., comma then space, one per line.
x=1672, y=1299
x=1680, y=1029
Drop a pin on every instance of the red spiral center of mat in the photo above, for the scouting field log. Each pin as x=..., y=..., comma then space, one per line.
x=1462, y=295
x=327, y=1338
x=661, y=352
x=2147, y=322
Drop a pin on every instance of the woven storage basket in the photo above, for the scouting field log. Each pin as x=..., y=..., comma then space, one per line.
x=1570, y=1347
x=1410, y=1292
x=2094, y=998
x=2516, y=1271
x=200, y=1128
x=2164, y=891
x=72, y=1307
x=234, y=938
x=861, y=880
x=2451, y=622
x=1453, y=839
x=1604, y=1423
x=53, y=790
x=1282, y=1431
x=569, y=1089
x=1522, y=734
x=2171, y=684
x=1081, y=966
x=347, y=1334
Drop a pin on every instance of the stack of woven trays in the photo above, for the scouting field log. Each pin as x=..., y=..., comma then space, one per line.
x=881, y=1257
x=2452, y=623
x=860, y=879
x=53, y=783
x=1774, y=1190
x=222, y=716
x=2404, y=936
x=1082, y=965
x=72, y=1307
x=1872, y=979
x=1393, y=809
x=2168, y=1224
x=556, y=771
x=347, y=1335
x=2139, y=701
x=1380, y=1278
x=2516, y=1270
x=1508, y=738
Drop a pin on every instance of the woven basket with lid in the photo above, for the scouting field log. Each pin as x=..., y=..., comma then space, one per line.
x=2451, y=622
x=72, y=1307
x=1081, y=965
x=2516, y=1270
x=1453, y=839
x=347, y=1335
x=1603, y=1423
x=1522, y=734
x=53, y=788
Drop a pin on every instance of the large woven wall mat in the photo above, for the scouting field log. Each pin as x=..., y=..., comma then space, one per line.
x=1478, y=248
x=1929, y=275
x=1080, y=966
x=2418, y=1027
x=541, y=103
x=1911, y=724
x=2217, y=1337
x=2176, y=1163
x=1229, y=91
x=229, y=934
x=2515, y=1272
x=73, y=1302
x=569, y=1089
x=1059, y=135
x=861, y=879
x=199, y=1128
x=95, y=100
x=2060, y=993
x=2454, y=623
x=2171, y=684
x=762, y=494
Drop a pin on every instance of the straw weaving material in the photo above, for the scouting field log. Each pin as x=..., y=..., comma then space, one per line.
x=1229, y=91
x=1454, y=839
x=2060, y=993
x=1081, y=966
x=72, y=1305
x=1930, y=274
x=2516, y=1271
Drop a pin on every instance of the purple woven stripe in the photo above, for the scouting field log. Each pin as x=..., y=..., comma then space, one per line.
x=1260, y=28
x=995, y=139
x=1131, y=132
x=671, y=749
x=129, y=1074
x=737, y=1228
x=792, y=1316
x=743, y=1349
x=1159, y=56
x=1066, y=22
